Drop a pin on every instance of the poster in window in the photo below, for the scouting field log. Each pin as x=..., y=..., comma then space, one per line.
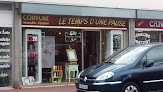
x=28, y=80
x=48, y=52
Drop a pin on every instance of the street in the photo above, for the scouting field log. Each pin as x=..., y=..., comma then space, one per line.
x=62, y=88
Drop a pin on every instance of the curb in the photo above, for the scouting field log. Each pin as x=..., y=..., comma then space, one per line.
x=49, y=86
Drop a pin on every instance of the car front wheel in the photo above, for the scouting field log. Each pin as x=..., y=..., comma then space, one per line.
x=130, y=87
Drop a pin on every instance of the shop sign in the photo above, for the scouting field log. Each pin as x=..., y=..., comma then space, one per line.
x=73, y=21
x=5, y=48
x=157, y=24
x=72, y=36
x=145, y=38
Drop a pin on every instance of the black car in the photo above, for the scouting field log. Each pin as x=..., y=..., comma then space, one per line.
x=137, y=68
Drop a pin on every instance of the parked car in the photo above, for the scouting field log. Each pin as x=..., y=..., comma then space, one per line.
x=137, y=68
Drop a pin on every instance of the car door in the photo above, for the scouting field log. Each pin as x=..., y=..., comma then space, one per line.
x=152, y=77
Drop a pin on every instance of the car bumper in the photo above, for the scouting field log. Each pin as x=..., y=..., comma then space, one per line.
x=100, y=87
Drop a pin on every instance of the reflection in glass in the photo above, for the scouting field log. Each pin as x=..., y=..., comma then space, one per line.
x=128, y=56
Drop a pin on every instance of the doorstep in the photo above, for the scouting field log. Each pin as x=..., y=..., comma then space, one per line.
x=6, y=88
x=49, y=85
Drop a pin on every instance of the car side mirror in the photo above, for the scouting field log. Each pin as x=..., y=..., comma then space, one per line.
x=149, y=63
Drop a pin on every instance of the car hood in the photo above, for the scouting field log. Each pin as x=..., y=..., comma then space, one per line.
x=97, y=70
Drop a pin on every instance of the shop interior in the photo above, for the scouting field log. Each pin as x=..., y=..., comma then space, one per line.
x=144, y=37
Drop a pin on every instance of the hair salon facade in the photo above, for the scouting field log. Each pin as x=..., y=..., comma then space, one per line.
x=93, y=38
x=40, y=36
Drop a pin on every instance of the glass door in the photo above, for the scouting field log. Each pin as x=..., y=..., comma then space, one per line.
x=91, y=48
x=32, y=57
x=113, y=41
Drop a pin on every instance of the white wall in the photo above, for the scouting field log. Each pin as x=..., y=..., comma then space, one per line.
x=6, y=19
x=133, y=4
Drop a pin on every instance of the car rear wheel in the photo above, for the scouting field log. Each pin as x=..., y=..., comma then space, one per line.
x=130, y=87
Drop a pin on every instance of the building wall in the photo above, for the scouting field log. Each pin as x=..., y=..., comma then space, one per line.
x=6, y=15
x=76, y=10
x=131, y=31
x=71, y=10
x=17, y=46
x=128, y=4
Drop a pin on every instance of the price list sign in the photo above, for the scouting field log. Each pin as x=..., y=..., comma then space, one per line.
x=5, y=48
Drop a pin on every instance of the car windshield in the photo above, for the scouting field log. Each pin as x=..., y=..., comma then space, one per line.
x=128, y=55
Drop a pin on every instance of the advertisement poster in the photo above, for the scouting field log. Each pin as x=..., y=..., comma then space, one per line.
x=48, y=52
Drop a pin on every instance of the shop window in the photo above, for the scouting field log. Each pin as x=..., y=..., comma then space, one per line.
x=53, y=50
x=116, y=42
x=113, y=42
x=154, y=37
x=144, y=37
x=161, y=36
x=54, y=44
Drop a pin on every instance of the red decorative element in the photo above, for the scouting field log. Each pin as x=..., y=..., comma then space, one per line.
x=156, y=24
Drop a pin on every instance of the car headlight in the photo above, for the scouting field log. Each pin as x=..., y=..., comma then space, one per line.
x=79, y=74
x=105, y=76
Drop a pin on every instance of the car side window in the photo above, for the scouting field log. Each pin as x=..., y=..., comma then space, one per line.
x=141, y=63
x=154, y=54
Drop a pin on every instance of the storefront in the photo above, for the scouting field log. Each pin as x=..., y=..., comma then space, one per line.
x=6, y=24
x=148, y=31
x=46, y=38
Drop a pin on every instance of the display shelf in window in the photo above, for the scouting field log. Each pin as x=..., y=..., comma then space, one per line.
x=56, y=76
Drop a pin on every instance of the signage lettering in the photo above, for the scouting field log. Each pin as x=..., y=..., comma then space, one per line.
x=4, y=32
x=35, y=20
x=101, y=21
x=5, y=66
x=33, y=17
x=142, y=34
x=5, y=47
x=117, y=22
x=4, y=39
x=72, y=36
x=62, y=21
x=140, y=41
x=77, y=21
x=92, y=21
x=157, y=24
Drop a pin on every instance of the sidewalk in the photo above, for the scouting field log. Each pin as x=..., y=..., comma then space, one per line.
x=49, y=87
